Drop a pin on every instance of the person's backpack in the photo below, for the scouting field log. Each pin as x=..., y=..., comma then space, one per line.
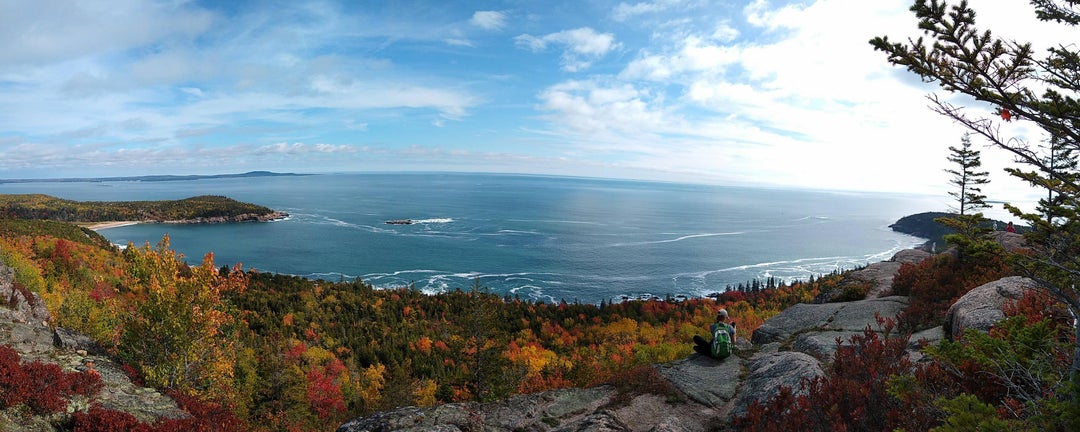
x=721, y=342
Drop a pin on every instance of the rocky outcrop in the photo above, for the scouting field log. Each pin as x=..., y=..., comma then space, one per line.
x=537, y=412
x=876, y=279
x=705, y=380
x=23, y=306
x=246, y=217
x=814, y=328
x=768, y=372
x=25, y=327
x=1011, y=241
x=981, y=307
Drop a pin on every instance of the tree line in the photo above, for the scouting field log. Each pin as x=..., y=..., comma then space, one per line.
x=38, y=206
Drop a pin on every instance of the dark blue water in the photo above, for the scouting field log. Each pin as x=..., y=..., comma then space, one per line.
x=547, y=238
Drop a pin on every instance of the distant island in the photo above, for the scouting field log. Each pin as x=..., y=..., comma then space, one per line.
x=153, y=178
x=199, y=209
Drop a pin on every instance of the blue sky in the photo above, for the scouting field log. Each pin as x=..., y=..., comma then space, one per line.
x=729, y=92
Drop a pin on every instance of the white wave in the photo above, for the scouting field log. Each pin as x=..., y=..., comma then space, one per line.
x=812, y=217
x=557, y=221
x=432, y=221
x=685, y=237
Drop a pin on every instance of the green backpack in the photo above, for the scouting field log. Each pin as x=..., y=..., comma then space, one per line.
x=721, y=342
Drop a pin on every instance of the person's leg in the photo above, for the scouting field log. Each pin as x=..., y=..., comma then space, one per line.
x=702, y=346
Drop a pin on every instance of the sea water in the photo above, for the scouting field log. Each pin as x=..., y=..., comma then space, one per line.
x=537, y=237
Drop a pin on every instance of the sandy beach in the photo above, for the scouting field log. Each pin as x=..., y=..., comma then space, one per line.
x=97, y=226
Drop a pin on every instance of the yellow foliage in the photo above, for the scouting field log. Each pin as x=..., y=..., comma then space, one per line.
x=372, y=381
x=424, y=393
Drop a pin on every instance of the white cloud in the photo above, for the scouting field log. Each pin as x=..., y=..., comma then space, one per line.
x=55, y=30
x=489, y=20
x=301, y=148
x=695, y=55
x=625, y=11
x=459, y=42
x=589, y=107
x=582, y=46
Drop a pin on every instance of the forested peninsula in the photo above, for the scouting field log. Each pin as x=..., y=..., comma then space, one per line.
x=198, y=209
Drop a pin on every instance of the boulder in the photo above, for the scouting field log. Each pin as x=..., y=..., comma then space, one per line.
x=796, y=318
x=1012, y=242
x=878, y=276
x=911, y=256
x=24, y=306
x=69, y=340
x=981, y=307
x=706, y=380
x=814, y=328
x=26, y=338
x=767, y=373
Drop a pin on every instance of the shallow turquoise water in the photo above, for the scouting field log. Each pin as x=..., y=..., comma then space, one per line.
x=546, y=238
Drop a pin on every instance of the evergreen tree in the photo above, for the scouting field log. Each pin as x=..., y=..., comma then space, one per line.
x=967, y=180
x=1062, y=159
x=969, y=224
x=1017, y=85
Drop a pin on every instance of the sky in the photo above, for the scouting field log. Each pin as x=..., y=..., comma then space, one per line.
x=759, y=92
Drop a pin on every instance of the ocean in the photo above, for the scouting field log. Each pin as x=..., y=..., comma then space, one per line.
x=537, y=237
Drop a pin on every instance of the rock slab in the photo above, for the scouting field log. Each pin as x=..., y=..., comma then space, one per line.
x=981, y=307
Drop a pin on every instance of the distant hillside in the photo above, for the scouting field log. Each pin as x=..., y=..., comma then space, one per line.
x=924, y=225
x=153, y=178
x=200, y=208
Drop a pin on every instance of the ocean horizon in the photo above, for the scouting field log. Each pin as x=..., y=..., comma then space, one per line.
x=538, y=237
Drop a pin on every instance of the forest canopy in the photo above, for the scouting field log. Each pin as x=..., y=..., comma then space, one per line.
x=39, y=206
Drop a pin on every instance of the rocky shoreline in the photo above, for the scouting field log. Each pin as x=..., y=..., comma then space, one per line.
x=247, y=217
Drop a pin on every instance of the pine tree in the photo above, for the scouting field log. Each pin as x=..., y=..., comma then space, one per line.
x=1007, y=77
x=967, y=180
x=969, y=224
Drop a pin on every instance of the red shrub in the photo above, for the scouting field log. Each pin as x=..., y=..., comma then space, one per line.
x=205, y=416
x=49, y=389
x=99, y=419
x=936, y=283
x=102, y=291
x=850, y=396
x=13, y=379
x=133, y=374
x=44, y=387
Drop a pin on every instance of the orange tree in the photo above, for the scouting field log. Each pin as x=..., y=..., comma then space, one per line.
x=181, y=332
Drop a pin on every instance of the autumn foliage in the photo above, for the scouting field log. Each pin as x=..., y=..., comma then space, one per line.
x=43, y=387
x=273, y=352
